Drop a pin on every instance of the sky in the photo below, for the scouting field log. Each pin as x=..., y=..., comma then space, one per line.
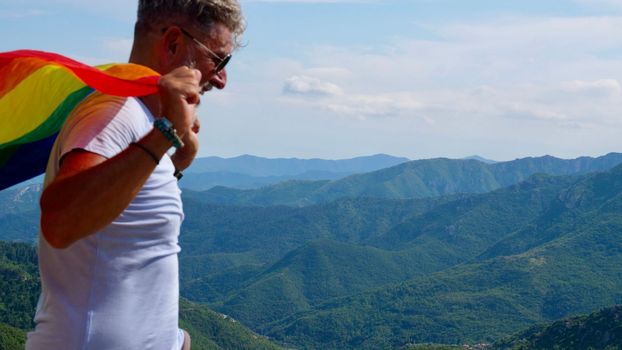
x=420, y=79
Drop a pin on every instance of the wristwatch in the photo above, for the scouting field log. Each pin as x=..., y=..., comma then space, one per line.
x=166, y=127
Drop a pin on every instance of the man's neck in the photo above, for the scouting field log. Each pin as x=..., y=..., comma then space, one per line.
x=152, y=102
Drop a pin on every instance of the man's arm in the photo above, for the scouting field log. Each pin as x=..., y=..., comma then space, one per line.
x=183, y=157
x=90, y=191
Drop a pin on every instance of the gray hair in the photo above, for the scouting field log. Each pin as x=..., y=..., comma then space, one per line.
x=203, y=13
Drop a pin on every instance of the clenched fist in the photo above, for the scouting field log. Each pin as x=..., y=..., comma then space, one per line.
x=179, y=97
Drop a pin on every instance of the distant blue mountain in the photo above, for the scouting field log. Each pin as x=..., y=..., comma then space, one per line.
x=208, y=180
x=264, y=167
x=248, y=172
x=482, y=159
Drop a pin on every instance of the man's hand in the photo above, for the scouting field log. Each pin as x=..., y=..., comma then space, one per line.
x=179, y=96
x=183, y=157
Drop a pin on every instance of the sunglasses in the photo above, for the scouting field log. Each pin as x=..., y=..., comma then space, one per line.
x=219, y=62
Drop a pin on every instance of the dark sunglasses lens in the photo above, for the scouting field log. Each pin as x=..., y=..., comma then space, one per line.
x=223, y=63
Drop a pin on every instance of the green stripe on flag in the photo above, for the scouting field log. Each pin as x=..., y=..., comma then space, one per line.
x=52, y=124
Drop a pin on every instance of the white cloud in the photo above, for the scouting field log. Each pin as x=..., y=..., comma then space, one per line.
x=362, y=106
x=535, y=113
x=375, y=105
x=540, y=69
x=601, y=87
x=305, y=85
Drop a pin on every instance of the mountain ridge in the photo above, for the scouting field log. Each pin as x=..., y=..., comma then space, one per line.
x=414, y=179
x=577, y=272
x=599, y=330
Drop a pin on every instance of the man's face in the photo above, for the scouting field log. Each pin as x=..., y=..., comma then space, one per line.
x=211, y=52
x=207, y=52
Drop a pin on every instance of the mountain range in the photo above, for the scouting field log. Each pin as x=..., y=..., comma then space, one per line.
x=531, y=252
x=246, y=172
x=414, y=179
x=432, y=251
x=570, y=263
x=259, y=166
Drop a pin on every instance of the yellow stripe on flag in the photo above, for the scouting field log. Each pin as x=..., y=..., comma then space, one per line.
x=33, y=100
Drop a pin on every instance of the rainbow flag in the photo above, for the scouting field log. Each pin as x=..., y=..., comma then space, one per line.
x=38, y=91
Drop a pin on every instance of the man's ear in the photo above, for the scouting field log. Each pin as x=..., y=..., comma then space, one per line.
x=170, y=46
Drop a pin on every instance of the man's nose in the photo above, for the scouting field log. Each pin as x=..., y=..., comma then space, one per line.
x=219, y=80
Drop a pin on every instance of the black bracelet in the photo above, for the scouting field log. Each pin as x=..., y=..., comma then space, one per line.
x=151, y=154
x=178, y=174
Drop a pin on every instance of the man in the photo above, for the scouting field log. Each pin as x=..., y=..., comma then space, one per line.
x=111, y=208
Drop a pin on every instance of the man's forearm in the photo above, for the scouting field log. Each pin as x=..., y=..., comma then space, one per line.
x=88, y=197
x=183, y=157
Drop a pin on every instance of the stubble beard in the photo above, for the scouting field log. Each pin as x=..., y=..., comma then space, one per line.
x=192, y=64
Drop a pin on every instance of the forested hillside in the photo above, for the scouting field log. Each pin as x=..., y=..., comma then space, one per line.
x=369, y=273
x=571, y=264
x=599, y=330
x=20, y=286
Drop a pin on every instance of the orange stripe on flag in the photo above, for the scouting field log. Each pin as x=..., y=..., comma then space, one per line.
x=18, y=69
